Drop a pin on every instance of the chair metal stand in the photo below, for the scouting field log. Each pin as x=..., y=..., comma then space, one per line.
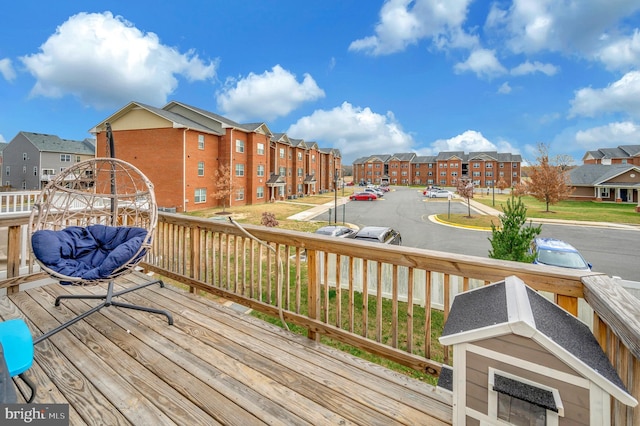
x=30, y=384
x=108, y=301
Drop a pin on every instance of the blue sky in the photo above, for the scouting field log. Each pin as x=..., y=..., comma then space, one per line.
x=362, y=76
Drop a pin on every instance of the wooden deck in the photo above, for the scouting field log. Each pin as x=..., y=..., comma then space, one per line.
x=215, y=365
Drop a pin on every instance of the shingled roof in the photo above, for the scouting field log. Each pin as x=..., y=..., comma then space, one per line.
x=511, y=307
x=597, y=174
x=53, y=143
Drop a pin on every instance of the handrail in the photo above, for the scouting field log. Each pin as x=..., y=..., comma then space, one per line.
x=337, y=291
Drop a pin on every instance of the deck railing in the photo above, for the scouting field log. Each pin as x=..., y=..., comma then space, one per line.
x=373, y=297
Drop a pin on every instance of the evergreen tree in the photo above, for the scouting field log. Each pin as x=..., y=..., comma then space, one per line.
x=512, y=240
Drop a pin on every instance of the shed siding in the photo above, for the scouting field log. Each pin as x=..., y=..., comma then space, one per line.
x=574, y=398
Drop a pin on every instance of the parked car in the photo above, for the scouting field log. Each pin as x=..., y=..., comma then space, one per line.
x=363, y=196
x=438, y=193
x=554, y=252
x=337, y=231
x=379, y=234
x=375, y=191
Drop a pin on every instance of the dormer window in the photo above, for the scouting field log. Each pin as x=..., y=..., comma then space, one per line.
x=518, y=401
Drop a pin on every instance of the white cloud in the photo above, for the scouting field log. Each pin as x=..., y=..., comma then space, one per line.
x=405, y=22
x=561, y=26
x=6, y=69
x=622, y=53
x=620, y=96
x=483, y=63
x=354, y=131
x=105, y=61
x=613, y=134
x=470, y=141
x=504, y=88
x=267, y=96
x=532, y=67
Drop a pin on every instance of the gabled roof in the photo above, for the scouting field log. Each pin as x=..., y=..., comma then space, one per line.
x=598, y=174
x=3, y=145
x=622, y=151
x=309, y=179
x=403, y=156
x=511, y=307
x=280, y=138
x=483, y=155
x=53, y=143
x=178, y=120
x=447, y=155
x=298, y=143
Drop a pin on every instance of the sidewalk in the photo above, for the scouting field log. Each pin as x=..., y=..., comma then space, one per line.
x=318, y=210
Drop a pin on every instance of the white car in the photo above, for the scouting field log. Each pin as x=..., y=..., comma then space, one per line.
x=439, y=193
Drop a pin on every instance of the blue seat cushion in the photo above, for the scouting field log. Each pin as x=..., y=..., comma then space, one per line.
x=90, y=253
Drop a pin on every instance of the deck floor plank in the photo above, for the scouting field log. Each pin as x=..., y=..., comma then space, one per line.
x=213, y=366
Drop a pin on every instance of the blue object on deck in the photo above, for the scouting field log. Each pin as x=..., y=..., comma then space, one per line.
x=17, y=345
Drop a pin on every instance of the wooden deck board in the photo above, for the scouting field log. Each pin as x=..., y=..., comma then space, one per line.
x=213, y=366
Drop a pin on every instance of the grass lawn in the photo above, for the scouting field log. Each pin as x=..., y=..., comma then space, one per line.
x=571, y=210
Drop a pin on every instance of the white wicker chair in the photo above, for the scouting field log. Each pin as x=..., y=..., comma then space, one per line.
x=100, y=191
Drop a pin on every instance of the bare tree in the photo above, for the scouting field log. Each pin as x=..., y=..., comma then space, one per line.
x=224, y=185
x=502, y=184
x=464, y=187
x=548, y=183
x=563, y=161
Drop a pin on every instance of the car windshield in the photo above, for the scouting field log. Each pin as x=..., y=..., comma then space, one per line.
x=565, y=259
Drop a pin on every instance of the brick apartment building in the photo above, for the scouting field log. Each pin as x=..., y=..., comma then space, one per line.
x=180, y=148
x=486, y=169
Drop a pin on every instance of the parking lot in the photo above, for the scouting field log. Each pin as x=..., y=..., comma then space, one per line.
x=611, y=251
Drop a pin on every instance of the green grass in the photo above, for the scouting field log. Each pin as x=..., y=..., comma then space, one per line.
x=591, y=211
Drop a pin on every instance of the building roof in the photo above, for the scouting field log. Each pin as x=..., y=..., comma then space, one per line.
x=622, y=151
x=597, y=174
x=511, y=307
x=53, y=143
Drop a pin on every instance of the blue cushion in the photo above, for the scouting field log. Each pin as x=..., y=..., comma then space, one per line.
x=90, y=253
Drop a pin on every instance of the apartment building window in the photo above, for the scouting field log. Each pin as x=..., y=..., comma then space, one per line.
x=377, y=165
x=77, y=158
x=488, y=174
x=260, y=192
x=476, y=165
x=239, y=169
x=65, y=158
x=489, y=165
x=443, y=182
x=281, y=152
x=476, y=174
x=289, y=171
x=260, y=149
x=261, y=170
x=515, y=165
x=240, y=194
x=7, y=170
x=488, y=182
x=200, y=195
x=200, y=141
x=418, y=173
x=453, y=165
x=200, y=168
x=299, y=188
x=430, y=165
x=48, y=172
x=313, y=158
x=443, y=173
x=515, y=174
x=429, y=181
x=290, y=151
x=394, y=173
x=24, y=184
x=454, y=174
x=502, y=165
x=404, y=173
x=369, y=166
x=430, y=173
x=24, y=156
x=283, y=171
x=501, y=174
x=300, y=171
x=35, y=170
x=299, y=156
x=24, y=169
x=239, y=145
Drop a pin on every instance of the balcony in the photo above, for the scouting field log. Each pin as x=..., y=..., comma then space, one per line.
x=220, y=364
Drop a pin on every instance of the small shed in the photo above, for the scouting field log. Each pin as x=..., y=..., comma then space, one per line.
x=520, y=359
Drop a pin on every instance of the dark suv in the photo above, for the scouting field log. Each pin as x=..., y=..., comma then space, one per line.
x=379, y=234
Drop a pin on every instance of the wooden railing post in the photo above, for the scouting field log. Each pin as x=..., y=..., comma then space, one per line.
x=313, y=290
x=13, y=251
